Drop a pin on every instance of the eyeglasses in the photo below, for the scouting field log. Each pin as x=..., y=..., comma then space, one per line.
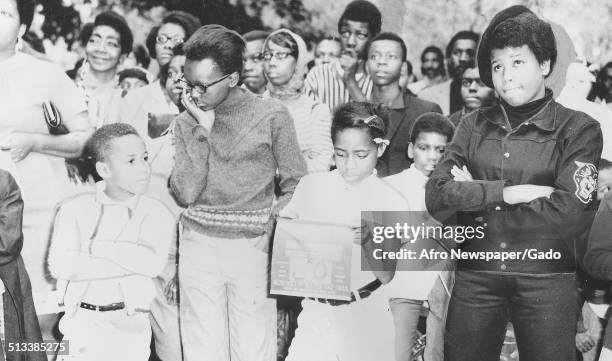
x=467, y=82
x=278, y=55
x=197, y=88
x=163, y=39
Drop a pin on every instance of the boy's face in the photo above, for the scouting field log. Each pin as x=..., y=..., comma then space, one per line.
x=126, y=169
x=354, y=35
x=385, y=62
x=427, y=151
x=204, y=73
x=474, y=92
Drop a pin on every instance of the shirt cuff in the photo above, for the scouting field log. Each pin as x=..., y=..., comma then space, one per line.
x=493, y=193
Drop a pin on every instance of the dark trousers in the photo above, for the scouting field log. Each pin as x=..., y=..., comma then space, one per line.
x=542, y=309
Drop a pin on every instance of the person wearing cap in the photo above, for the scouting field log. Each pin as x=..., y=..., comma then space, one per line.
x=526, y=171
x=176, y=27
x=346, y=79
x=460, y=50
x=108, y=45
x=36, y=160
x=230, y=145
x=132, y=78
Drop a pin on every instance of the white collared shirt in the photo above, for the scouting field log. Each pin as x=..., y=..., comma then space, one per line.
x=109, y=251
x=414, y=285
x=327, y=197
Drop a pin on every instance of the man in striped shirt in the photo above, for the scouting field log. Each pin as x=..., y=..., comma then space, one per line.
x=338, y=82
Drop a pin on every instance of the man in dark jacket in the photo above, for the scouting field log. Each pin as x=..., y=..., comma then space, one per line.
x=386, y=62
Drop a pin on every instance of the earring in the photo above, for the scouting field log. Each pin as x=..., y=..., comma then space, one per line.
x=19, y=44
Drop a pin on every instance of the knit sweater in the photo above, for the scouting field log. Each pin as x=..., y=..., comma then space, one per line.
x=226, y=178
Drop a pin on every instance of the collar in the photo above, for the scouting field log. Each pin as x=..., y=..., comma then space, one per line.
x=343, y=184
x=416, y=173
x=400, y=101
x=544, y=119
x=104, y=199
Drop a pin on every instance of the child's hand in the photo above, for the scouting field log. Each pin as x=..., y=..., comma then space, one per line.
x=204, y=118
x=461, y=174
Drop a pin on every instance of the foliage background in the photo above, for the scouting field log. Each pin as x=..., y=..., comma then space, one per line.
x=420, y=23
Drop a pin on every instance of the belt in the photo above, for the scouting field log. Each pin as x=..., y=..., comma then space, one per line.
x=110, y=307
x=363, y=292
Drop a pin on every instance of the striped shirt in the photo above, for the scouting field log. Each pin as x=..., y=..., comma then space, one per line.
x=325, y=85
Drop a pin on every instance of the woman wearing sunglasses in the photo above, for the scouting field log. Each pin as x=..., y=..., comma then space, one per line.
x=285, y=67
x=175, y=29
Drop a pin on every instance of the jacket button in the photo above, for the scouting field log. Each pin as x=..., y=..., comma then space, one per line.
x=503, y=267
x=506, y=155
x=503, y=245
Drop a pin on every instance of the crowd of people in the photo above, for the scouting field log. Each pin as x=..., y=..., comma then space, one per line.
x=141, y=190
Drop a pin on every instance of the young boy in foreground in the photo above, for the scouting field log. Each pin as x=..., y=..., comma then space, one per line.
x=106, y=248
x=410, y=289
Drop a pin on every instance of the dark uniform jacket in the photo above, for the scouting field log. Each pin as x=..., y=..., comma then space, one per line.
x=21, y=323
x=557, y=147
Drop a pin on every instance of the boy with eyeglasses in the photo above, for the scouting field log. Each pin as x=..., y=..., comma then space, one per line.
x=346, y=79
x=229, y=146
x=474, y=93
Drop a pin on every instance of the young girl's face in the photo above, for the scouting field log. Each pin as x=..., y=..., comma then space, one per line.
x=355, y=154
x=517, y=76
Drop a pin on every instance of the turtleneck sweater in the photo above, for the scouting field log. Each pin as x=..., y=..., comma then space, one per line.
x=517, y=115
x=226, y=178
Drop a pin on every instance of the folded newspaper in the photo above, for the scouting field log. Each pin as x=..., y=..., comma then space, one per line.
x=312, y=259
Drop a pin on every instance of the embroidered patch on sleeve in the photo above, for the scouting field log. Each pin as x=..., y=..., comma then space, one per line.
x=585, y=179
